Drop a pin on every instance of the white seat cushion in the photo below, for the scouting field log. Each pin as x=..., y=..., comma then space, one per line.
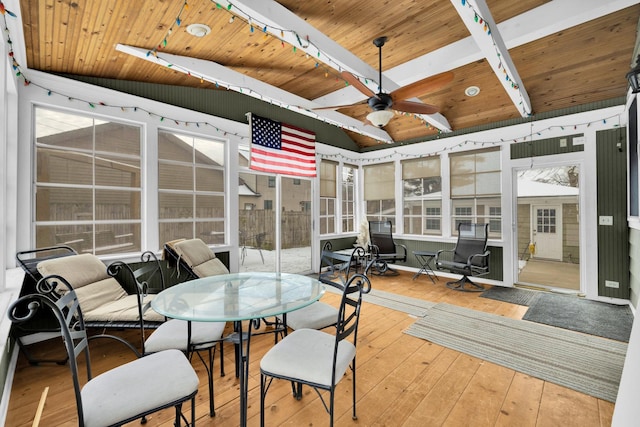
x=318, y=315
x=89, y=278
x=133, y=388
x=200, y=258
x=79, y=270
x=93, y=296
x=173, y=334
x=307, y=355
x=123, y=310
x=213, y=267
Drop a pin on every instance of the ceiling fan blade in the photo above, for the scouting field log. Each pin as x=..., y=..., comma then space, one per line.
x=421, y=87
x=353, y=81
x=337, y=107
x=415, y=107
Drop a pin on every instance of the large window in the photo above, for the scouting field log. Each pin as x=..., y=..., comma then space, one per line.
x=379, y=192
x=422, y=191
x=349, y=185
x=328, y=196
x=191, y=188
x=87, y=184
x=475, y=189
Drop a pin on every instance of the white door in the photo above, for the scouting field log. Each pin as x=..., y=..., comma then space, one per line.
x=547, y=231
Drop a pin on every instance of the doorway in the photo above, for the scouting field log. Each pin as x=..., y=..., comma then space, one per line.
x=274, y=223
x=548, y=227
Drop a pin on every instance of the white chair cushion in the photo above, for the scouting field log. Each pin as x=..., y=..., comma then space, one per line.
x=200, y=258
x=96, y=295
x=194, y=251
x=124, y=309
x=173, y=334
x=79, y=270
x=133, y=388
x=307, y=355
x=318, y=315
x=213, y=267
x=88, y=276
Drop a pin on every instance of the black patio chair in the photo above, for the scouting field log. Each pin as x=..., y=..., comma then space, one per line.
x=384, y=249
x=470, y=257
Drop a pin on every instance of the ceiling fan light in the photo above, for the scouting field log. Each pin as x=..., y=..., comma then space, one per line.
x=380, y=118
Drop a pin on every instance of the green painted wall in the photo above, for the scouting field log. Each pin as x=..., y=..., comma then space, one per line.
x=226, y=104
x=611, y=193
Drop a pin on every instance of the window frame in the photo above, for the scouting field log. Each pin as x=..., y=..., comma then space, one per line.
x=428, y=171
x=217, y=234
x=99, y=236
x=474, y=170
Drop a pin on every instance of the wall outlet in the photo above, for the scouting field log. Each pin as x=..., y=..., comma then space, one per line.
x=611, y=284
x=605, y=220
x=563, y=142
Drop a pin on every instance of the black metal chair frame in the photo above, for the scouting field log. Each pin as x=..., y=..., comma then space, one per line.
x=470, y=257
x=346, y=327
x=73, y=329
x=383, y=249
x=172, y=257
x=133, y=280
x=45, y=324
x=142, y=276
x=339, y=264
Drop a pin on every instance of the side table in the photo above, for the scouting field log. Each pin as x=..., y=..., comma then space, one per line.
x=424, y=260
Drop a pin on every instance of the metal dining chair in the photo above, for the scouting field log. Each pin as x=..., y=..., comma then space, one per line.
x=316, y=358
x=123, y=394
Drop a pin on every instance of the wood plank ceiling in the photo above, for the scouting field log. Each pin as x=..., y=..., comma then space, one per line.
x=564, y=53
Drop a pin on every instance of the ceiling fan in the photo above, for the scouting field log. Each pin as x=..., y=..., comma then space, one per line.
x=382, y=103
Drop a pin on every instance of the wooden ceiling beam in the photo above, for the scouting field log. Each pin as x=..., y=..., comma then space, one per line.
x=477, y=17
x=241, y=83
x=270, y=16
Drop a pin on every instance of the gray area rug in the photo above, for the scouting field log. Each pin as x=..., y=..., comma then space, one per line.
x=590, y=317
x=511, y=295
x=584, y=363
x=413, y=306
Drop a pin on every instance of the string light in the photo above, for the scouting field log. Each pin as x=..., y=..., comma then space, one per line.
x=527, y=138
x=487, y=29
x=178, y=22
x=93, y=104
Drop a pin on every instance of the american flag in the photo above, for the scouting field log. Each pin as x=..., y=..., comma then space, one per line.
x=281, y=148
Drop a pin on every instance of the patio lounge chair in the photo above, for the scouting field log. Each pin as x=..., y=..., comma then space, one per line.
x=105, y=303
x=194, y=258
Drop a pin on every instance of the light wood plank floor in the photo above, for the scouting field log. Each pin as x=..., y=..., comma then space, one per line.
x=401, y=380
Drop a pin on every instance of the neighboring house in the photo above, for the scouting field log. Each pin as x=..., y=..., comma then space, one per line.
x=548, y=221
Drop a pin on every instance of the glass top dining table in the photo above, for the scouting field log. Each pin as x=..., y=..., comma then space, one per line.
x=236, y=297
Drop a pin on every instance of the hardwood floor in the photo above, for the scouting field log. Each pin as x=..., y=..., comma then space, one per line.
x=401, y=380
